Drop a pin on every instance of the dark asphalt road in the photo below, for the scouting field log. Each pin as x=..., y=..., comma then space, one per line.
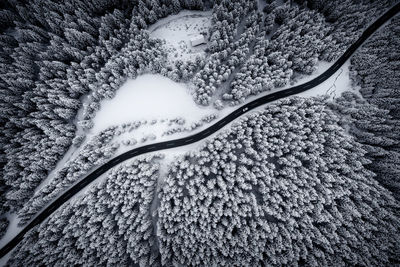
x=203, y=134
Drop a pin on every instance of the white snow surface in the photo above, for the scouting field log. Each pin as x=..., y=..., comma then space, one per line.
x=4, y=260
x=148, y=97
x=334, y=86
x=12, y=230
x=177, y=30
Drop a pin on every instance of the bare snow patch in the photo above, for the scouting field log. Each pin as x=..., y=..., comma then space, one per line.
x=334, y=86
x=12, y=230
x=177, y=31
x=148, y=97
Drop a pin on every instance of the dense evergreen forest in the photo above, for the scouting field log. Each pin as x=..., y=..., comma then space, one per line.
x=270, y=49
x=375, y=115
x=111, y=225
x=303, y=182
x=283, y=186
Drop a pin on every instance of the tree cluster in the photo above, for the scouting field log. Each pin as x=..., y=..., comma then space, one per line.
x=195, y=125
x=375, y=69
x=111, y=225
x=379, y=133
x=294, y=47
x=231, y=42
x=299, y=38
x=375, y=118
x=347, y=18
x=284, y=186
x=180, y=71
x=45, y=48
x=3, y=226
x=96, y=152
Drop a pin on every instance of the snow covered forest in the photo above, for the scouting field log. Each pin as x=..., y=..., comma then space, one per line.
x=283, y=186
x=311, y=181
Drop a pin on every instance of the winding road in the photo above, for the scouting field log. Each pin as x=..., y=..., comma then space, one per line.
x=201, y=135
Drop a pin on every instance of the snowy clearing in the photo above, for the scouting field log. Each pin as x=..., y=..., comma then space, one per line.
x=157, y=103
x=177, y=30
x=148, y=97
x=334, y=86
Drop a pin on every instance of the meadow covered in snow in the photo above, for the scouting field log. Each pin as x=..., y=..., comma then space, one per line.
x=148, y=97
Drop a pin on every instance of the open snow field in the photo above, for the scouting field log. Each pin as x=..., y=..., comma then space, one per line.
x=149, y=97
x=334, y=86
x=177, y=30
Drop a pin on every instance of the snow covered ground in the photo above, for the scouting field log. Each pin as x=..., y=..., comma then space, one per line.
x=12, y=231
x=334, y=86
x=158, y=103
x=148, y=97
x=151, y=98
x=155, y=101
x=4, y=260
x=177, y=30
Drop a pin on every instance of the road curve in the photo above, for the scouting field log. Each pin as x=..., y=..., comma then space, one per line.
x=203, y=134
